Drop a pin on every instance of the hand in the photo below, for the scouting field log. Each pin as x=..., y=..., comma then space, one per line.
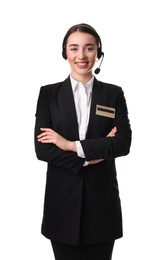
x=95, y=161
x=50, y=136
x=112, y=132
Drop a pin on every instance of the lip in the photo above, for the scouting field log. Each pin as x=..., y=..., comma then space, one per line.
x=82, y=65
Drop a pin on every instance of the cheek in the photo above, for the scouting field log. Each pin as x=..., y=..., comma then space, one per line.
x=70, y=57
x=93, y=59
x=70, y=62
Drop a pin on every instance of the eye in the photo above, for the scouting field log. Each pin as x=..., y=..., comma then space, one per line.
x=74, y=49
x=90, y=49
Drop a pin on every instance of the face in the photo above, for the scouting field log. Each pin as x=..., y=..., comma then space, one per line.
x=81, y=50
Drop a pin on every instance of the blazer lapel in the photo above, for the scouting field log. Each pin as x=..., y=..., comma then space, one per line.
x=69, y=112
x=93, y=124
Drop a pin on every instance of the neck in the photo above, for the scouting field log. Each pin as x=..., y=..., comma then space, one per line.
x=82, y=78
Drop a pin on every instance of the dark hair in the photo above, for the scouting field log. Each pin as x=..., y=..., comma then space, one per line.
x=82, y=27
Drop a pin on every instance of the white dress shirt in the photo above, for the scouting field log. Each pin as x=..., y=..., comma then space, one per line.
x=82, y=98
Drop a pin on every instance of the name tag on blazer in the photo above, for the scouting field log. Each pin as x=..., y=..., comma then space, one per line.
x=105, y=111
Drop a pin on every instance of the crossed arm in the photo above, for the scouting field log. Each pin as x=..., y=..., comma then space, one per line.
x=50, y=136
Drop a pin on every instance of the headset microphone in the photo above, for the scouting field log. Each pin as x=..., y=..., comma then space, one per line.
x=97, y=71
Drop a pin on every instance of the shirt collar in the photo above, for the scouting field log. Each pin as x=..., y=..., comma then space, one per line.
x=88, y=85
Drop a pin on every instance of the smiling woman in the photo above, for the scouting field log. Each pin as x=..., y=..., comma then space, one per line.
x=82, y=46
x=81, y=126
x=81, y=50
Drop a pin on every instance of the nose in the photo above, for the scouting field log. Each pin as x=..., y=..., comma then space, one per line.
x=81, y=54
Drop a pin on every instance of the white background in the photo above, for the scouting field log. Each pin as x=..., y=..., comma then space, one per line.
x=31, y=34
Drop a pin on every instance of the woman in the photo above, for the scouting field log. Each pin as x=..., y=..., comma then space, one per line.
x=81, y=126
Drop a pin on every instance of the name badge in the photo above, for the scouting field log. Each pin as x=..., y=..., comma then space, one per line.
x=105, y=111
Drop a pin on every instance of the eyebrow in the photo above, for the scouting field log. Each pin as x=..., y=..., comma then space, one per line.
x=74, y=44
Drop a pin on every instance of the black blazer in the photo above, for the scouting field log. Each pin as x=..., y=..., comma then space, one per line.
x=82, y=204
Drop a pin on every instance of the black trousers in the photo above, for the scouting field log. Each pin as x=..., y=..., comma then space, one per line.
x=83, y=252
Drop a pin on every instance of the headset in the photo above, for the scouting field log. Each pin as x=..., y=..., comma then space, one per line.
x=87, y=29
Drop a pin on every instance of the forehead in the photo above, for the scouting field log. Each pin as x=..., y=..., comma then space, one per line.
x=81, y=38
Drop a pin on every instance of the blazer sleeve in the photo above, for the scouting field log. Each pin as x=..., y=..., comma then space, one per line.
x=112, y=147
x=49, y=152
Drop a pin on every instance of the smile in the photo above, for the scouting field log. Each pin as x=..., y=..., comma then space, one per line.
x=82, y=64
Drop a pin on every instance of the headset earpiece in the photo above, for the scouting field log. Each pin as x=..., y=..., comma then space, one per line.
x=99, y=53
x=64, y=53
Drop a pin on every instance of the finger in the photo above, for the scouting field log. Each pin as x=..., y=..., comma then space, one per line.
x=46, y=129
x=46, y=132
x=43, y=134
x=46, y=135
x=112, y=132
x=46, y=140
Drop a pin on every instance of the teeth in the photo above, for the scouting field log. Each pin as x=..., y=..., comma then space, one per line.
x=82, y=64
